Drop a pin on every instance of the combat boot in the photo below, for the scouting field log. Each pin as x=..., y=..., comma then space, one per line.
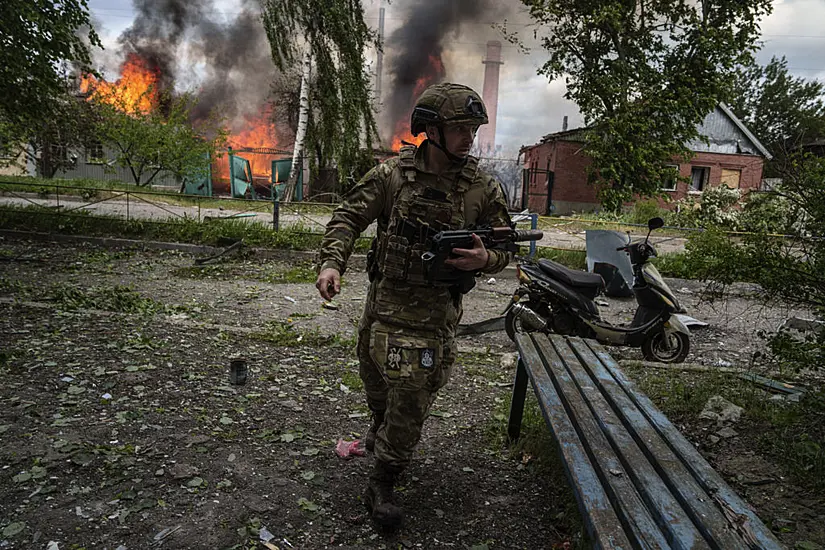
x=377, y=420
x=380, y=499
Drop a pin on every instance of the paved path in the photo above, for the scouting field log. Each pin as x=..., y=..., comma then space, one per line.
x=150, y=208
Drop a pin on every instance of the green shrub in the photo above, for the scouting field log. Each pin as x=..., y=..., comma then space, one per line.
x=644, y=210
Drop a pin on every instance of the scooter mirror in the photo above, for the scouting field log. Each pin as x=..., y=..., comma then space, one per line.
x=655, y=223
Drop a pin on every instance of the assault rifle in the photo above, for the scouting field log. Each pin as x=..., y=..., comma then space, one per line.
x=443, y=243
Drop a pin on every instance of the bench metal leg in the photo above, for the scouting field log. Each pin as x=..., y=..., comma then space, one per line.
x=517, y=403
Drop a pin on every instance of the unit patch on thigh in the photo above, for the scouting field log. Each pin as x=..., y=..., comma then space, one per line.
x=427, y=358
x=394, y=358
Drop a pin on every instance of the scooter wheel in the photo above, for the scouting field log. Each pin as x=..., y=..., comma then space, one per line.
x=653, y=348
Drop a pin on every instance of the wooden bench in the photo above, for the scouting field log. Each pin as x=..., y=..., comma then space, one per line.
x=638, y=482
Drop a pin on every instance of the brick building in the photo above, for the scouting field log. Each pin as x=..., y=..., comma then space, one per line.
x=554, y=177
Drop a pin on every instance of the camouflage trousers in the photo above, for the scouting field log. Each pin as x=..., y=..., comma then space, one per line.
x=402, y=370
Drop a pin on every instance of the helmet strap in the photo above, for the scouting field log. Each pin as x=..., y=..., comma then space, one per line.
x=443, y=148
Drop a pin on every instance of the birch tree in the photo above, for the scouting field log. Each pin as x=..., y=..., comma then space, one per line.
x=338, y=114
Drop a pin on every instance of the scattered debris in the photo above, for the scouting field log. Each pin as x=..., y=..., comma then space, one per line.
x=349, y=449
x=234, y=247
x=163, y=535
x=291, y=299
x=720, y=410
x=722, y=363
x=491, y=281
x=183, y=471
x=802, y=324
x=508, y=360
x=727, y=433
x=602, y=303
x=770, y=384
x=329, y=305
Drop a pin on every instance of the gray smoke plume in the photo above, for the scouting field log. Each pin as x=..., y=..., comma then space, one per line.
x=415, y=46
x=190, y=41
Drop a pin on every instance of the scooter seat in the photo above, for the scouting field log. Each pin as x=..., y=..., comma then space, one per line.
x=572, y=277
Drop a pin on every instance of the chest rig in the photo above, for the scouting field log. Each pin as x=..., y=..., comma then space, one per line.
x=420, y=209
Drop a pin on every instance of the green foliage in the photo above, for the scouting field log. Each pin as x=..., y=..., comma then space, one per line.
x=781, y=110
x=789, y=271
x=767, y=213
x=341, y=122
x=715, y=207
x=285, y=334
x=154, y=141
x=185, y=230
x=39, y=40
x=712, y=256
x=643, y=74
x=574, y=259
x=792, y=434
x=644, y=210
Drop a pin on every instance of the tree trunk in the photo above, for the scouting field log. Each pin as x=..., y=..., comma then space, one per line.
x=303, y=115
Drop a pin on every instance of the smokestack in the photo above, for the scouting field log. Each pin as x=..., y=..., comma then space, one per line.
x=564, y=124
x=379, y=65
x=492, y=64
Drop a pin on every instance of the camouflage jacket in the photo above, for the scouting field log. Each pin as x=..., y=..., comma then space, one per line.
x=373, y=199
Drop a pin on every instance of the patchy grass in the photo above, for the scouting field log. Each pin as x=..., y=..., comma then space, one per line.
x=791, y=434
x=285, y=334
x=352, y=380
x=185, y=230
x=117, y=298
x=574, y=259
x=303, y=273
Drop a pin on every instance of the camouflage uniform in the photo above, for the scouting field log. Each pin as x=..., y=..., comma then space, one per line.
x=406, y=335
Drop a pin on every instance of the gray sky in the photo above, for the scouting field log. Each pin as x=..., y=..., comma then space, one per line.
x=529, y=105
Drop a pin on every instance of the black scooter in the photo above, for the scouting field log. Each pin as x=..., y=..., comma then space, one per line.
x=561, y=300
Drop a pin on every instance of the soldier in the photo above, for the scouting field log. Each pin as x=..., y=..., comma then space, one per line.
x=406, y=346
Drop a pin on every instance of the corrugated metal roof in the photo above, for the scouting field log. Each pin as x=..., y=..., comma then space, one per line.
x=725, y=133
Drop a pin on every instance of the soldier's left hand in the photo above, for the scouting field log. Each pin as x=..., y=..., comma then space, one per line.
x=470, y=259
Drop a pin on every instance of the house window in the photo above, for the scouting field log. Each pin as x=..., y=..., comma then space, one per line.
x=94, y=153
x=730, y=178
x=670, y=177
x=699, y=178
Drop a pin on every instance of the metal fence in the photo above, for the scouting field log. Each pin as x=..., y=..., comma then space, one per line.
x=67, y=199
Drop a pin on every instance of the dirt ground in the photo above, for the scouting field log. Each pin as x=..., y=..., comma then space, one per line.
x=119, y=428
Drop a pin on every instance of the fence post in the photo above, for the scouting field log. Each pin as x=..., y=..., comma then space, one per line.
x=127, y=206
x=276, y=211
x=57, y=194
x=534, y=221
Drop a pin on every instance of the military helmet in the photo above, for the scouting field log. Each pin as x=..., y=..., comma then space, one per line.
x=447, y=103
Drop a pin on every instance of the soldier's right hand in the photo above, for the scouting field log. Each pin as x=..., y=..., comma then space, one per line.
x=328, y=283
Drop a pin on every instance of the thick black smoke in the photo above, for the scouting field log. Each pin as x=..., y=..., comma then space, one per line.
x=428, y=28
x=227, y=55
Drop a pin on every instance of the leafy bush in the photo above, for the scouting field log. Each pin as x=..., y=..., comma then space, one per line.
x=644, y=210
x=717, y=207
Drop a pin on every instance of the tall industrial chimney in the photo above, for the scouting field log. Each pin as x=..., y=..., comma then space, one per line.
x=492, y=64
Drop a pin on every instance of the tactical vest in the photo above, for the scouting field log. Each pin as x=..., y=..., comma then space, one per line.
x=418, y=213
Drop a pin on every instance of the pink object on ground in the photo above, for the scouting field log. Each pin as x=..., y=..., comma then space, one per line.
x=349, y=449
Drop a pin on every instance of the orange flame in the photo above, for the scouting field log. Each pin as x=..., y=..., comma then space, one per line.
x=256, y=132
x=135, y=91
x=435, y=73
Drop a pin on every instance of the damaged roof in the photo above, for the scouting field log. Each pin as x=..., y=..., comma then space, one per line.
x=725, y=133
